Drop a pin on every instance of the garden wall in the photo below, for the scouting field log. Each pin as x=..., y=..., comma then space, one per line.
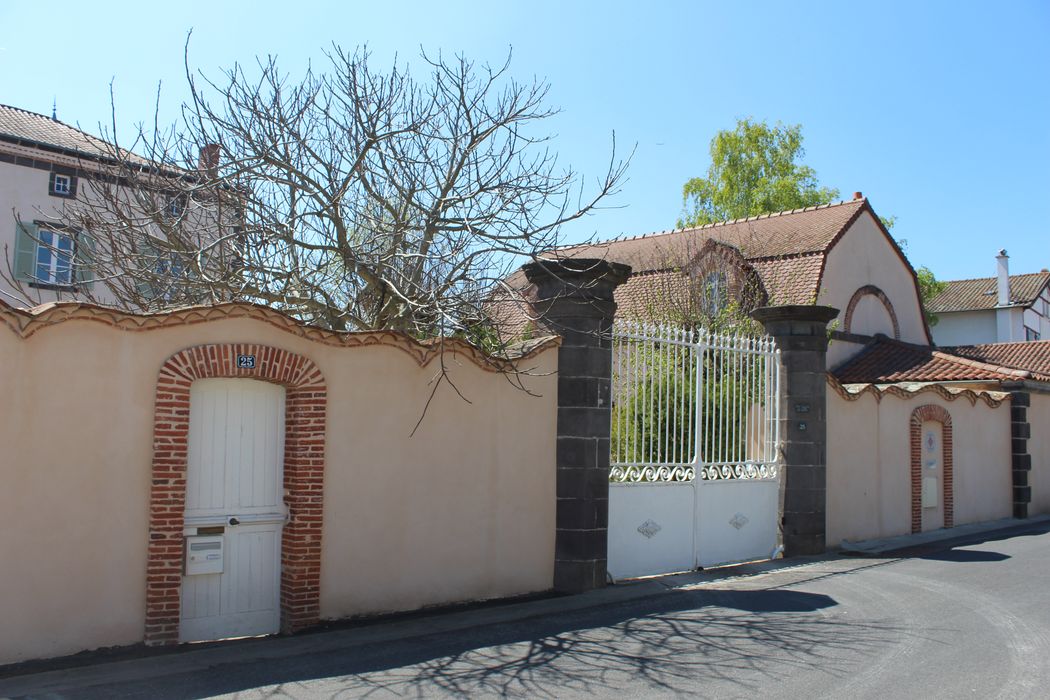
x=876, y=459
x=380, y=519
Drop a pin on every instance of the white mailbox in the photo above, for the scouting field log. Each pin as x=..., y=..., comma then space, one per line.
x=929, y=492
x=204, y=555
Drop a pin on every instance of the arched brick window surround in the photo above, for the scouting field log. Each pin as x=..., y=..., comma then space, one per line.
x=920, y=415
x=305, y=416
x=871, y=290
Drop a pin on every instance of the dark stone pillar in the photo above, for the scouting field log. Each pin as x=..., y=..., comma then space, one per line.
x=575, y=301
x=802, y=336
x=1021, y=461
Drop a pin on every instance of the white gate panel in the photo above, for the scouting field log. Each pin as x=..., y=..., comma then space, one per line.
x=736, y=521
x=693, y=449
x=234, y=486
x=652, y=531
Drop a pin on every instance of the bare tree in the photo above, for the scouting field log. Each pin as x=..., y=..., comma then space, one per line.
x=351, y=198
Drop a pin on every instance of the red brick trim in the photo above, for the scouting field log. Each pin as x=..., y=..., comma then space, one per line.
x=304, y=458
x=930, y=412
x=871, y=290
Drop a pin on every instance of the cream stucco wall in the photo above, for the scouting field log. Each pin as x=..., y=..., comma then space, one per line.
x=863, y=256
x=462, y=510
x=869, y=463
x=965, y=328
x=1039, y=449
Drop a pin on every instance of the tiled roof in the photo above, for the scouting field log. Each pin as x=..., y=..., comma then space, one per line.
x=786, y=250
x=790, y=233
x=1032, y=356
x=887, y=361
x=976, y=294
x=791, y=280
x=18, y=124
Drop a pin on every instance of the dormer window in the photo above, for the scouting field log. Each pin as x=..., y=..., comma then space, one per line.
x=61, y=185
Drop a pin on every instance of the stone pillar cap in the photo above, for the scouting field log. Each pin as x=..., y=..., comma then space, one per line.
x=796, y=312
x=576, y=268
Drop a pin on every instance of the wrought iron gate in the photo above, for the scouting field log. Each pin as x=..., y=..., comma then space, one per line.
x=695, y=431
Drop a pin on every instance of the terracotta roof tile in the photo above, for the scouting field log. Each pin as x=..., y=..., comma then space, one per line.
x=785, y=249
x=976, y=294
x=887, y=361
x=1031, y=356
x=21, y=125
x=790, y=233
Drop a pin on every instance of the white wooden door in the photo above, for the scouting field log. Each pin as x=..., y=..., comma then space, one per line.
x=932, y=484
x=234, y=482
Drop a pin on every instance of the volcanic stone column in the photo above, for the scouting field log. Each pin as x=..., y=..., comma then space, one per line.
x=575, y=301
x=1021, y=460
x=801, y=335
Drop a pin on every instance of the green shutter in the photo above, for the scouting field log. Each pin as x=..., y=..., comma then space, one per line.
x=85, y=258
x=147, y=257
x=26, y=238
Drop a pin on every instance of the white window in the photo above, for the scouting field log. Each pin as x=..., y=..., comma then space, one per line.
x=51, y=258
x=1029, y=334
x=62, y=184
x=55, y=252
x=715, y=292
x=176, y=205
x=54, y=258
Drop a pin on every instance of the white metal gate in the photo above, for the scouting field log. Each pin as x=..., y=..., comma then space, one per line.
x=695, y=431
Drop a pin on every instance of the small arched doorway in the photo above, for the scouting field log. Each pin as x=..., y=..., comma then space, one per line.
x=302, y=481
x=932, y=483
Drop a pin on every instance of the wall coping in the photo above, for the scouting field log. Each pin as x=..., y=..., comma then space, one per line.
x=26, y=322
x=993, y=399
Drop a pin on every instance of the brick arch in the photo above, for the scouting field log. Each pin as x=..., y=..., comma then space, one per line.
x=931, y=412
x=304, y=445
x=871, y=290
x=745, y=284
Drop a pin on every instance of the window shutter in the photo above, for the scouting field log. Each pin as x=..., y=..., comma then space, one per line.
x=85, y=258
x=26, y=238
x=146, y=260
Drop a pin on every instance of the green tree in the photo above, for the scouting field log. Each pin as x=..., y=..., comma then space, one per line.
x=755, y=169
x=929, y=287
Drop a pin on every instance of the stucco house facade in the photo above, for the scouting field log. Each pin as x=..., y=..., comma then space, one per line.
x=1002, y=309
x=85, y=220
x=45, y=166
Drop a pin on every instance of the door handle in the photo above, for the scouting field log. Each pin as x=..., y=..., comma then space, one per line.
x=234, y=521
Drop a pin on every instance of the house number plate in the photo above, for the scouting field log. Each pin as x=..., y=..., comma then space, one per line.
x=246, y=362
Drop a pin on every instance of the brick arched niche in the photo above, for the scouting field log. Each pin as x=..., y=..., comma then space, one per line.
x=920, y=415
x=304, y=458
x=871, y=290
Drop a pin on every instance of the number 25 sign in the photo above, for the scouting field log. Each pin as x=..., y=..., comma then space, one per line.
x=246, y=362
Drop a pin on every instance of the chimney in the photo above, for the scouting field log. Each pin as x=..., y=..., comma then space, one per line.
x=858, y=195
x=209, y=159
x=1003, y=279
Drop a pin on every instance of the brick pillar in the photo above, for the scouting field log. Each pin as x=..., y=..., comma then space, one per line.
x=575, y=301
x=802, y=336
x=1020, y=459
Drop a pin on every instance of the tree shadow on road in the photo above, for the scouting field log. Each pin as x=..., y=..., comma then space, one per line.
x=965, y=555
x=668, y=643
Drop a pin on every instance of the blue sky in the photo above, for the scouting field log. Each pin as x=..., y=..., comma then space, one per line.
x=938, y=111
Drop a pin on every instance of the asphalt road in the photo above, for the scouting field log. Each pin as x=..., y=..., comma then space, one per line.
x=971, y=620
